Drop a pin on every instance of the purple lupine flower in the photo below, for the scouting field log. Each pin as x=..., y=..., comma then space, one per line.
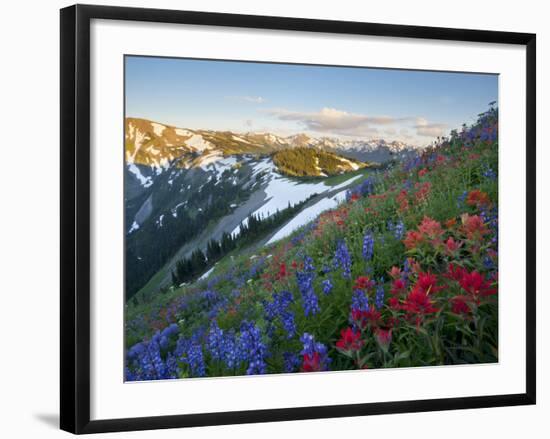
x=195, y=359
x=167, y=333
x=279, y=309
x=359, y=306
x=172, y=367
x=412, y=163
x=366, y=187
x=460, y=203
x=397, y=229
x=490, y=218
x=489, y=173
x=308, y=264
x=309, y=298
x=342, y=259
x=363, y=189
x=149, y=363
x=327, y=287
x=488, y=262
x=368, y=246
x=291, y=362
x=379, y=297
x=304, y=280
x=315, y=354
x=359, y=301
x=129, y=375
x=215, y=341
x=252, y=348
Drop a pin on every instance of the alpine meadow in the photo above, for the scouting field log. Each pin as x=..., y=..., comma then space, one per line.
x=285, y=218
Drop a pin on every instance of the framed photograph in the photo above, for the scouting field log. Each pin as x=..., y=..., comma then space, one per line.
x=272, y=218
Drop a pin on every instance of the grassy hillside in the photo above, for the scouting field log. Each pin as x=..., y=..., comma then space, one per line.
x=311, y=162
x=404, y=273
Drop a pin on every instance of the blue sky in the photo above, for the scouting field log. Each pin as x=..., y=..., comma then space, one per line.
x=412, y=106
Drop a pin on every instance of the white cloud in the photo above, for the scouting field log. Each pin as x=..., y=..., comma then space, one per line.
x=429, y=129
x=336, y=121
x=251, y=99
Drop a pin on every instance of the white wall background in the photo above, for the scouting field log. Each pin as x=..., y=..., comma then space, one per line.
x=29, y=237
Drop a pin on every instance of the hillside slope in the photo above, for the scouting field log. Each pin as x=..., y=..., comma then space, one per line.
x=402, y=273
x=310, y=162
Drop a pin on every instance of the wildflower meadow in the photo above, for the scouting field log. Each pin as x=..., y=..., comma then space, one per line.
x=402, y=273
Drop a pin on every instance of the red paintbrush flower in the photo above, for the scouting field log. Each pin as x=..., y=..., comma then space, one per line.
x=477, y=198
x=427, y=283
x=398, y=286
x=452, y=246
x=365, y=319
x=413, y=239
x=476, y=286
x=415, y=266
x=455, y=272
x=473, y=227
x=395, y=272
x=459, y=305
x=312, y=363
x=403, y=200
x=350, y=341
x=363, y=283
x=423, y=191
x=431, y=228
x=383, y=337
x=282, y=271
x=450, y=223
x=393, y=303
x=418, y=302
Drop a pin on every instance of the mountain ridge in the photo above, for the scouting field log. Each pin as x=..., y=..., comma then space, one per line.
x=157, y=145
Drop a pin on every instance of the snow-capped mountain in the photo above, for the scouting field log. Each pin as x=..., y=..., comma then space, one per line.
x=158, y=145
x=375, y=150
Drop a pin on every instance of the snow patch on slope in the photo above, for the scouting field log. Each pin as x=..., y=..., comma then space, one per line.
x=353, y=165
x=208, y=159
x=221, y=165
x=145, y=181
x=208, y=273
x=239, y=139
x=197, y=142
x=307, y=215
x=134, y=227
x=281, y=190
x=158, y=128
x=139, y=139
x=182, y=132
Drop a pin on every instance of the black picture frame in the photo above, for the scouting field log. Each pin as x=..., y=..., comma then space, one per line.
x=75, y=217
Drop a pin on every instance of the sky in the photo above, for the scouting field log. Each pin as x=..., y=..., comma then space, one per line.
x=284, y=99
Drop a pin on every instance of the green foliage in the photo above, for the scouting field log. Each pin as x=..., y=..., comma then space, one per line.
x=303, y=161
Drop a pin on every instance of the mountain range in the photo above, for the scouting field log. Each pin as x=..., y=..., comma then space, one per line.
x=156, y=145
